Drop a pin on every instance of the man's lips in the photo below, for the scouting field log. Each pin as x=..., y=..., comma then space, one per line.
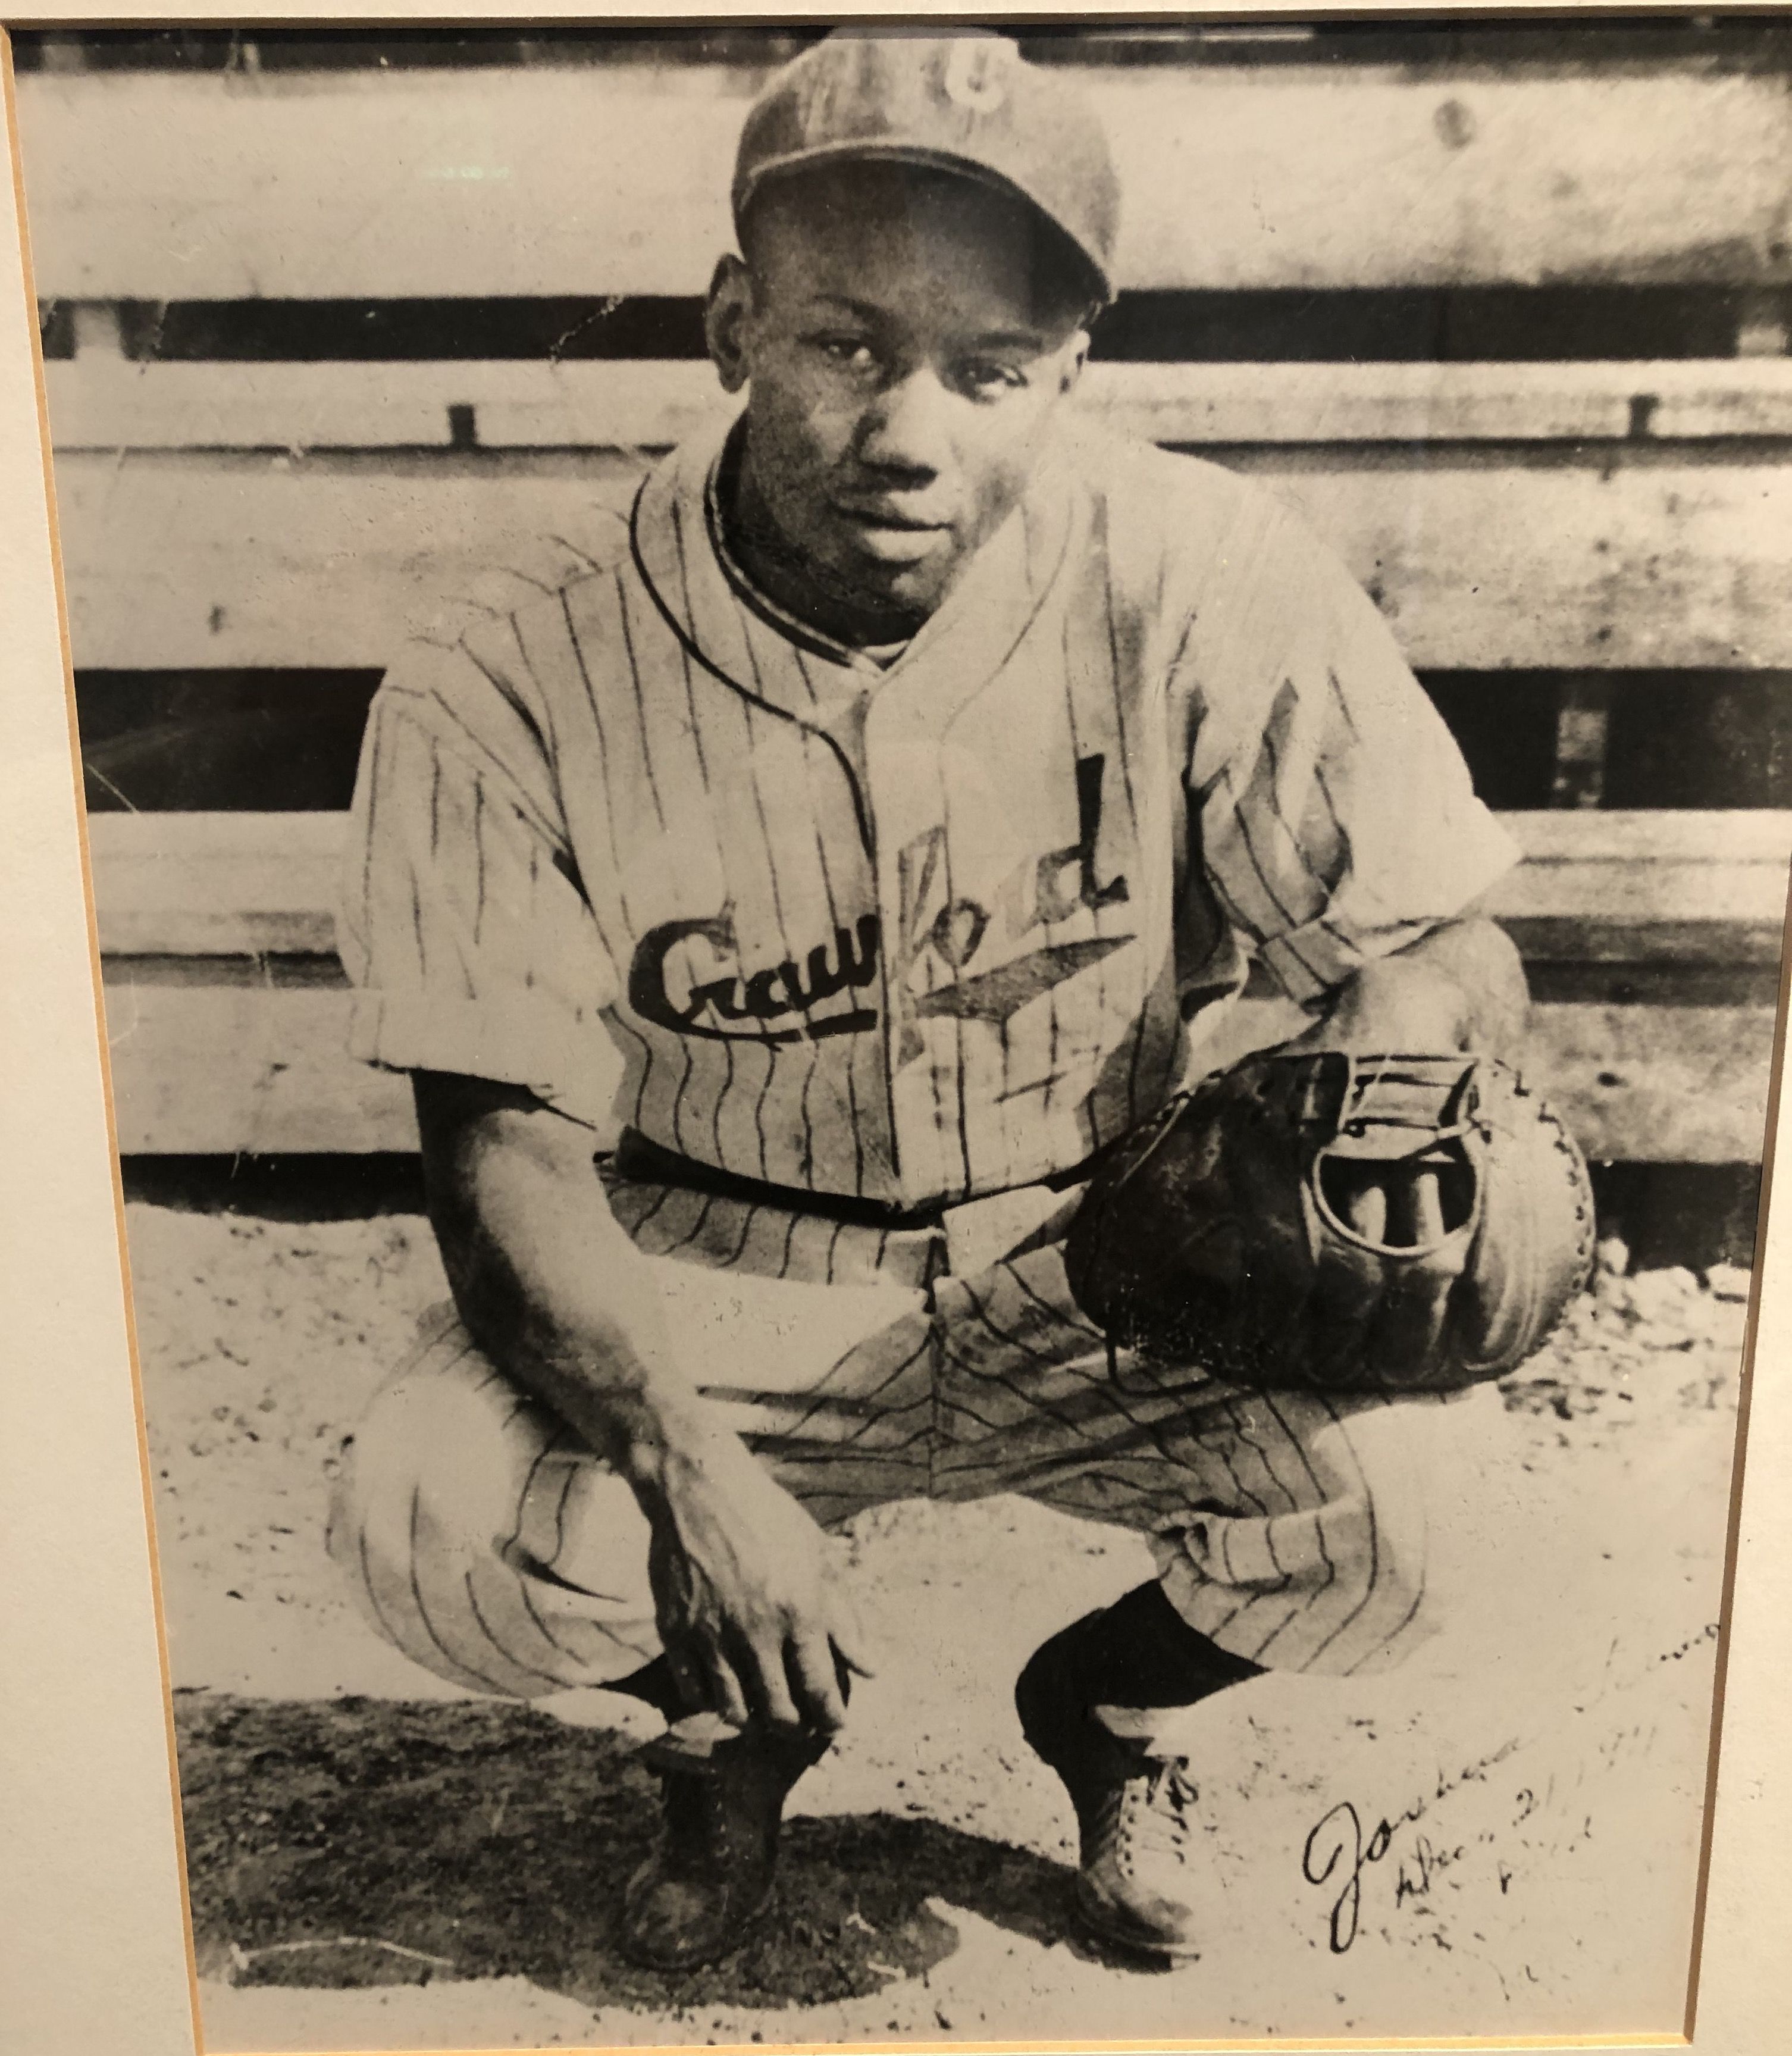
x=890, y=533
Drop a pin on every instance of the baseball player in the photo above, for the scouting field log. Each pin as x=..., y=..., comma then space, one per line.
x=898, y=797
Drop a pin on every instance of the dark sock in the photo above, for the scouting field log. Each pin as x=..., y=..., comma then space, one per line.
x=653, y=1682
x=1141, y=1652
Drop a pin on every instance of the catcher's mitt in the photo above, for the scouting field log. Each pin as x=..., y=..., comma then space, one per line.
x=1340, y=1222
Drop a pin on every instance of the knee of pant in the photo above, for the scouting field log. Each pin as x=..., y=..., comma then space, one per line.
x=442, y=1453
x=451, y=1425
x=425, y=1565
x=457, y=1583
x=377, y=1462
x=1382, y=1606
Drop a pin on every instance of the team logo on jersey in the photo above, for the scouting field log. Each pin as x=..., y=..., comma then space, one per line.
x=687, y=976
x=1040, y=892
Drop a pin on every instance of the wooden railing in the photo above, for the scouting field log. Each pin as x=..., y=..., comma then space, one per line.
x=1589, y=519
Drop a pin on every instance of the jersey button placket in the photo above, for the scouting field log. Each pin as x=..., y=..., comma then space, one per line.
x=893, y=804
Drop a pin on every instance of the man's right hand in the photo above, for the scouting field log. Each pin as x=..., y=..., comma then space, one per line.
x=755, y=1616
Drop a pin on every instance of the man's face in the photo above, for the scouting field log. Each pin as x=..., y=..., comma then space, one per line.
x=904, y=353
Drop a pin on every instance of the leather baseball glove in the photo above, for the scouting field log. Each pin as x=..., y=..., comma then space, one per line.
x=1339, y=1221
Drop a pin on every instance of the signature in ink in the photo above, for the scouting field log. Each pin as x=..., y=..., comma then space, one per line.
x=1336, y=1848
x=1427, y=1862
x=1335, y=1840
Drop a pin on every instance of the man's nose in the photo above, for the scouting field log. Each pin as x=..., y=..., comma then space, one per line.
x=906, y=429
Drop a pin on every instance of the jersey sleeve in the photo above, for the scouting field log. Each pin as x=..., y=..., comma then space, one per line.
x=462, y=919
x=1337, y=820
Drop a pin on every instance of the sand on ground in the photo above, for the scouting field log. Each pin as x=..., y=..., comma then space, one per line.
x=1500, y=1839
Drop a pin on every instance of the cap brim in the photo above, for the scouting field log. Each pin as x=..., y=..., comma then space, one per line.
x=928, y=158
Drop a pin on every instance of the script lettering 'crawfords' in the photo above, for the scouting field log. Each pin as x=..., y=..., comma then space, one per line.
x=780, y=1002
x=688, y=975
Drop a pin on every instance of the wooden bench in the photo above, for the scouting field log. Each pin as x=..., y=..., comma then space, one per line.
x=1592, y=518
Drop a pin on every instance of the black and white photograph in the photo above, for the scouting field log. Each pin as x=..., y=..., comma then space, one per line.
x=941, y=874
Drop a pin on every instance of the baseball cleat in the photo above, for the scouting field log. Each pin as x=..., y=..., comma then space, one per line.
x=1136, y=1887
x=1140, y=1881
x=710, y=1877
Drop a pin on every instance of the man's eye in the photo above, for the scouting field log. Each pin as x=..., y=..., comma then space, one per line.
x=986, y=375
x=852, y=351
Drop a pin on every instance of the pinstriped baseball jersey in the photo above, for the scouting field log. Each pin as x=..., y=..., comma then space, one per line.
x=907, y=926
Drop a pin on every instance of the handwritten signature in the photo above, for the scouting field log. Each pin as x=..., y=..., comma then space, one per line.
x=1339, y=1835
x=1336, y=1849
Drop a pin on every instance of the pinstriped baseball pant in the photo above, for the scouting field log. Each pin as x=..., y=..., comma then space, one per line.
x=482, y=1539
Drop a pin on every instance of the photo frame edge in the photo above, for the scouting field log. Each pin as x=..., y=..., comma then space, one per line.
x=1747, y=1826
x=89, y=1765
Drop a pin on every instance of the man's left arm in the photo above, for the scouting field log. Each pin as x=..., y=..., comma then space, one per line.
x=1460, y=987
x=1340, y=827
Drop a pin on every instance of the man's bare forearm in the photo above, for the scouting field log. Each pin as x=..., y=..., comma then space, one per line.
x=1460, y=987
x=746, y=1590
x=547, y=1282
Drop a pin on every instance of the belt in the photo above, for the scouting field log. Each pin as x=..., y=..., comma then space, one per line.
x=646, y=1162
x=641, y=1161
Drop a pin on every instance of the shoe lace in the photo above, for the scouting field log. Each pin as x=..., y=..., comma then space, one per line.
x=1153, y=1810
x=710, y=1809
x=693, y=1820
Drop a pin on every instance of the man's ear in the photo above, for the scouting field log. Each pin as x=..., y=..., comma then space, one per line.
x=1076, y=355
x=725, y=316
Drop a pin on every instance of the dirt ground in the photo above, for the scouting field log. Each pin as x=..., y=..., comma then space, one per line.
x=1503, y=1835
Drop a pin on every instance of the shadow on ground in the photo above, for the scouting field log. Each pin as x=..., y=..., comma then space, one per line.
x=357, y=1842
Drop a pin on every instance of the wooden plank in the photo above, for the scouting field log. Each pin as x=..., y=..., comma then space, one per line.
x=225, y=884
x=1658, y=1084
x=1419, y=180
x=220, y=1070
x=1653, y=834
x=1639, y=892
x=1651, y=887
x=1502, y=559
x=173, y=560
x=1687, y=399
x=408, y=182
x=1493, y=559
x=101, y=402
x=98, y=403
x=224, y=1069
x=1624, y=887
x=1693, y=400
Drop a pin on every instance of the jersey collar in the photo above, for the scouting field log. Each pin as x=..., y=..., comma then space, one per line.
x=845, y=654
x=679, y=547
x=736, y=631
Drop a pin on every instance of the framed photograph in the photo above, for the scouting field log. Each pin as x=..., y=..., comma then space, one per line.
x=940, y=879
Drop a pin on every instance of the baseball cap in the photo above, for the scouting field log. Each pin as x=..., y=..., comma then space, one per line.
x=968, y=103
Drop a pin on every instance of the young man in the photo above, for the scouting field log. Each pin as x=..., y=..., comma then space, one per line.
x=910, y=775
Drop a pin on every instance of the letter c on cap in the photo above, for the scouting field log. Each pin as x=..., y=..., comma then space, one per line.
x=972, y=79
